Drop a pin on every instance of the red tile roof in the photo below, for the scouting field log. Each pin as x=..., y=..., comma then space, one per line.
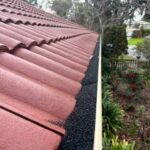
x=43, y=59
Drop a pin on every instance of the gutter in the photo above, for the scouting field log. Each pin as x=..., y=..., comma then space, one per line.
x=98, y=119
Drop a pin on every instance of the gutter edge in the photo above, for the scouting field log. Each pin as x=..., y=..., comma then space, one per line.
x=98, y=119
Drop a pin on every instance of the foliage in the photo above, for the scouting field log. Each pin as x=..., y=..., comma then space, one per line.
x=140, y=33
x=147, y=12
x=114, y=42
x=116, y=144
x=146, y=144
x=112, y=113
x=141, y=110
x=121, y=145
x=106, y=143
x=145, y=32
x=130, y=108
x=115, y=12
x=82, y=15
x=147, y=121
x=135, y=83
x=134, y=128
x=112, y=117
x=105, y=65
x=33, y=2
x=95, y=14
x=129, y=83
x=137, y=34
x=144, y=49
x=61, y=7
x=125, y=57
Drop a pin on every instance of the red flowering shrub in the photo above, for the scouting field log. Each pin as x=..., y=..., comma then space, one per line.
x=135, y=83
x=130, y=84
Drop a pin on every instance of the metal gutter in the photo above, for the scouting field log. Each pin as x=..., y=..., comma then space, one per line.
x=98, y=119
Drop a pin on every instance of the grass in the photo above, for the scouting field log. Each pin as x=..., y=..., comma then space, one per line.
x=135, y=41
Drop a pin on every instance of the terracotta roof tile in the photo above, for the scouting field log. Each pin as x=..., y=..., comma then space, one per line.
x=44, y=76
x=43, y=59
x=38, y=95
x=26, y=133
x=11, y=43
x=3, y=47
x=74, y=64
x=30, y=113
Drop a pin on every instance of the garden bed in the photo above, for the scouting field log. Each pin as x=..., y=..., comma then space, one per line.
x=133, y=95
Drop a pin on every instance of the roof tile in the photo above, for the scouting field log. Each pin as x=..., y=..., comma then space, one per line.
x=36, y=94
x=28, y=136
x=49, y=64
x=43, y=59
x=11, y=43
x=44, y=76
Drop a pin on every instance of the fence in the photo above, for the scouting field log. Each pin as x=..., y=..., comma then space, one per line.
x=120, y=64
x=143, y=67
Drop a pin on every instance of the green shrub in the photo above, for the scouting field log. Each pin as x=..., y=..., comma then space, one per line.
x=112, y=112
x=121, y=145
x=116, y=144
x=145, y=32
x=112, y=117
x=114, y=41
x=106, y=143
x=131, y=84
x=141, y=33
x=133, y=79
x=134, y=128
x=141, y=110
x=106, y=92
x=137, y=34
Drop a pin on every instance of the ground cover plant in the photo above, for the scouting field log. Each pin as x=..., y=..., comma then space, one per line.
x=116, y=144
x=112, y=112
x=113, y=115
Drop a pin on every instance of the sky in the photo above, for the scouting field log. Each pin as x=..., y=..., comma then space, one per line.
x=138, y=17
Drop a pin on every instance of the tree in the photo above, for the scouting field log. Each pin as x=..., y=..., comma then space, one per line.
x=114, y=12
x=144, y=49
x=147, y=11
x=97, y=14
x=61, y=7
x=33, y=2
x=81, y=15
x=115, y=41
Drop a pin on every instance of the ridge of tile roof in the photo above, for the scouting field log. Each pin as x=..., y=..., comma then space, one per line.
x=43, y=59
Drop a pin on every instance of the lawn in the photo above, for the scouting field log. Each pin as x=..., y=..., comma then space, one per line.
x=135, y=41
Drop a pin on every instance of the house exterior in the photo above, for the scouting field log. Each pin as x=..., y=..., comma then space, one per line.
x=43, y=59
